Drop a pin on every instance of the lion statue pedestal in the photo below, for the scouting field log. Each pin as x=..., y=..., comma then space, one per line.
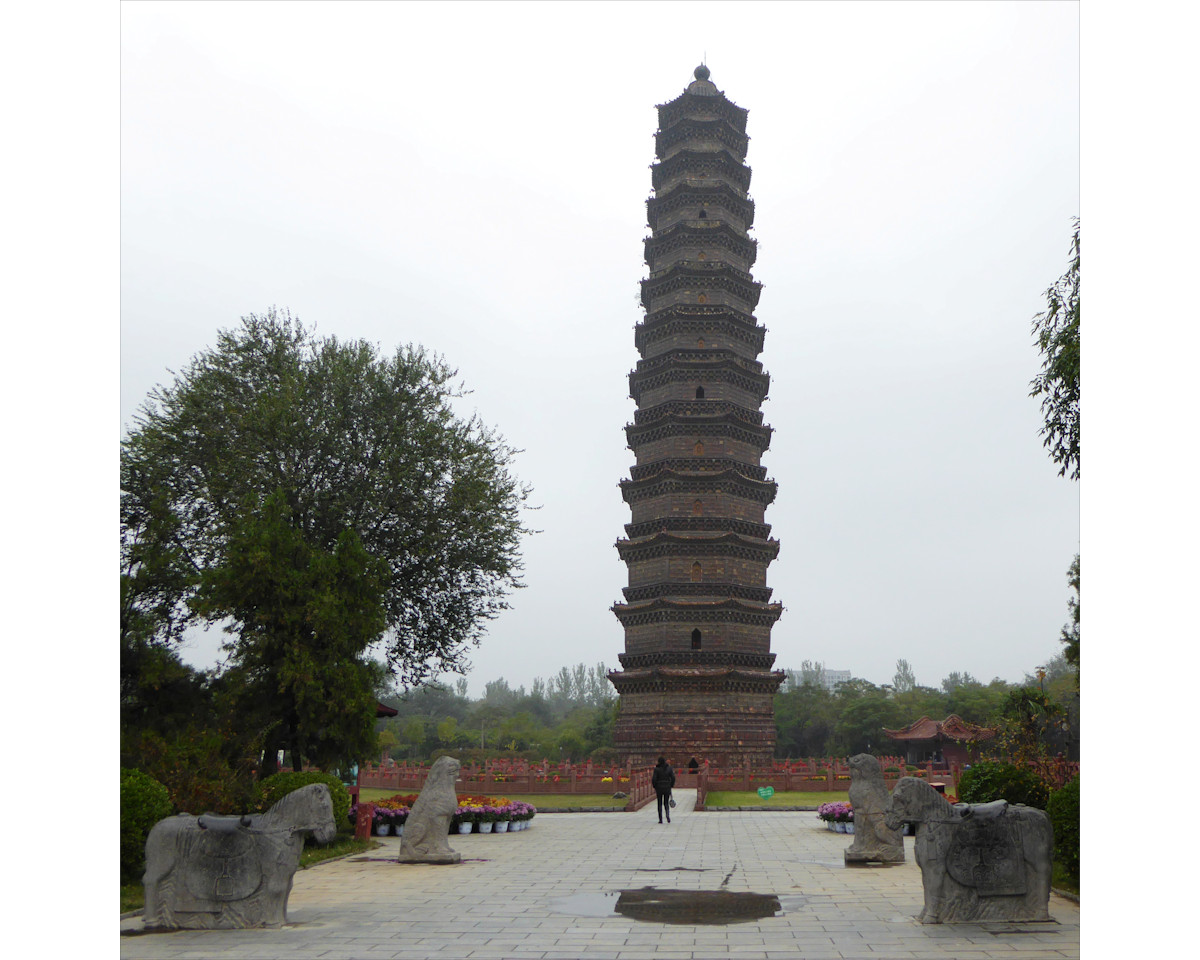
x=980, y=862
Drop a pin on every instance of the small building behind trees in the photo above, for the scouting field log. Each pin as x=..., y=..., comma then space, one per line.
x=949, y=741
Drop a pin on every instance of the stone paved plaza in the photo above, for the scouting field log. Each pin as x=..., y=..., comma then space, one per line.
x=551, y=891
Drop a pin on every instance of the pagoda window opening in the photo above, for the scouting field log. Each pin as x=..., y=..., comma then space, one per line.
x=697, y=508
x=699, y=393
x=695, y=639
x=703, y=214
x=697, y=572
x=698, y=449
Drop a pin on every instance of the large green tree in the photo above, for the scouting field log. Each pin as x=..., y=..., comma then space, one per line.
x=355, y=441
x=343, y=441
x=1070, y=633
x=1056, y=330
x=304, y=619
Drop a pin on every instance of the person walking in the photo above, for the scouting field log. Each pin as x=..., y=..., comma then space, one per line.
x=662, y=780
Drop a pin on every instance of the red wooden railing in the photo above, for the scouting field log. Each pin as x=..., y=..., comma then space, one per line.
x=828, y=774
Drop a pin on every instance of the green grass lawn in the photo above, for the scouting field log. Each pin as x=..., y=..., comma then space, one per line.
x=793, y=798
x=543, y=801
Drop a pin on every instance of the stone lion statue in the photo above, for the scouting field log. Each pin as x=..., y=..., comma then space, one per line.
x=428, y=824
x=874, y=840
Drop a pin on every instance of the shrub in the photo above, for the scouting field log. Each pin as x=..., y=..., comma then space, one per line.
x=274, y=788
x=1063, y=809
x=204, y=770
x=144, y=801
x=994, y=780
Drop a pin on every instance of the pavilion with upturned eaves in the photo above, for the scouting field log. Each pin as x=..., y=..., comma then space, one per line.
x=954, y=740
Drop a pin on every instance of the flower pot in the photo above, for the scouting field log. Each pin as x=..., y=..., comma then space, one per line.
x=840, y=827
x=850, y=827
x=485, y=827
x=397, y=829
x=465, y=827
x=381, y=829
x=501, y=826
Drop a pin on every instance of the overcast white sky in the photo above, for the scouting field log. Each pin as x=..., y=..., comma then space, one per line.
x=473, y=177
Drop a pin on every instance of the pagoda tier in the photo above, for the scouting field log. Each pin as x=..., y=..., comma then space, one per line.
x=691, y=325
x=682, y=588
x=691, y=202
x=687, y=239
x=687, y=164
x=697, y=678
x=727, y=484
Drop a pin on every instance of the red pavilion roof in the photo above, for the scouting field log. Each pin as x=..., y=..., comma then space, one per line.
x=953, y=727
x=383, y=710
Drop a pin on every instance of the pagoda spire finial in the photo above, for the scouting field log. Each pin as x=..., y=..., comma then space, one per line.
x=701, y=72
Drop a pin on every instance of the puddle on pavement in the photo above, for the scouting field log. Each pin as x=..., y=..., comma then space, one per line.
x=653, y=905
x=672, y=869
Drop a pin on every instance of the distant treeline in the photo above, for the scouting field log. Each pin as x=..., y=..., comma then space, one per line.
x=570, y=715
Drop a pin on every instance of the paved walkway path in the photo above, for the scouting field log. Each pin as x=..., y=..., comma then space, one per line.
x=551, y=892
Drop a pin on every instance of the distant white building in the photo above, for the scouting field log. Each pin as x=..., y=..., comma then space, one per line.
x=833, y=677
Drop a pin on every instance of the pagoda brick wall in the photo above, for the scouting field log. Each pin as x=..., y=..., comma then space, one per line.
x=696, y=677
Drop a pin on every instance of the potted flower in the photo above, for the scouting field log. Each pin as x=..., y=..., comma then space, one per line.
x=381, y=822
x=838, y=816
x=522, y=814
x=463, y=820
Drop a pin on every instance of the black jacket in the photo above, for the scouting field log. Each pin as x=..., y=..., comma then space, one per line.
x=663, y=778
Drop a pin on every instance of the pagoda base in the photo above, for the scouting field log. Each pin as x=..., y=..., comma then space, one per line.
x=730, y=724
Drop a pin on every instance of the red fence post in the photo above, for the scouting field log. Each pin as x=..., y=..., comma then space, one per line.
x=362, y=820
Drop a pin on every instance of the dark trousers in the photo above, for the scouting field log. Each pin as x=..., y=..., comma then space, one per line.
x=664, y=803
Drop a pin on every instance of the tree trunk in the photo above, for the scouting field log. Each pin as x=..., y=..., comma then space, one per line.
x=297, y=759
x=270, y=761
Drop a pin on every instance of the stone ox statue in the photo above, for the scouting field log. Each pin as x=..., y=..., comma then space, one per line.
x=987, y=861
x=227, y=872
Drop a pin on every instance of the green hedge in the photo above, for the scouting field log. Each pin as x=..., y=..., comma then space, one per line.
x=993, y=780
x=144, y=801
x=274, y=788
x=1064, y=817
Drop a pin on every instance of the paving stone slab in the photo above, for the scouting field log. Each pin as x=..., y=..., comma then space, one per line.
x=506, y=900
